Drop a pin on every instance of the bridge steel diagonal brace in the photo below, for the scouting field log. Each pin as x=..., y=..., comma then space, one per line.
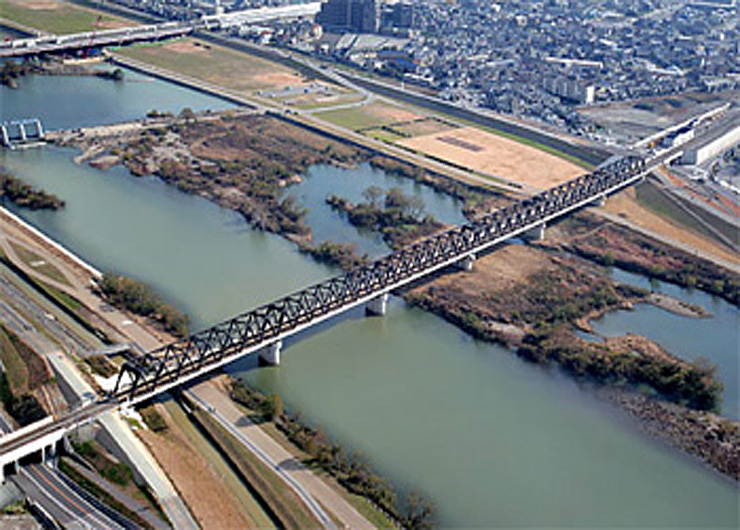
x=246, y=333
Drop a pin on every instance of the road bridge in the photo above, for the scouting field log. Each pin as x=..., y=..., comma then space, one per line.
x=50, y=44
x=93, y=39
x=262, y=330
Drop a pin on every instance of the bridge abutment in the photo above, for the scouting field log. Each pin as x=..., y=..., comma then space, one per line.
x=270, y=354
x=377, y=306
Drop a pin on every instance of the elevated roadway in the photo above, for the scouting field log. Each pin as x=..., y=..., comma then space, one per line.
x=49, y=44
x=93, y=39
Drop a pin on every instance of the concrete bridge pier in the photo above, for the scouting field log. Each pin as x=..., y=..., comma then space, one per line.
x=377, y=306
x=536, y=234
x=22, y=132
x=600, y=200
x=270, y=354
x=11, y=468
x=6, y=138
x=39, y=129
x=466, y=263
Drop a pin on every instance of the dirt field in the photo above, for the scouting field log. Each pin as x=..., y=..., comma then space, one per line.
x=198, y=482
x=625, y=205
x=481, y=151
x=500, y=271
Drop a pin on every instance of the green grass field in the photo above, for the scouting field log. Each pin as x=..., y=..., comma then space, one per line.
x=62, y=19
x=38, y=264
x=362, y=117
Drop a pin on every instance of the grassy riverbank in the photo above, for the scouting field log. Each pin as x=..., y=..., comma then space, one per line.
x=139, y=298
x=350, y=471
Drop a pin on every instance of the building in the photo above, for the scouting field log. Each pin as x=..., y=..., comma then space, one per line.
x=700, y=152
x=358, y=16
x=397, y=16
x=570, y=90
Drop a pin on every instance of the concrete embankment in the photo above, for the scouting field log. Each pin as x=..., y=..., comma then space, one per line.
x=47, y=242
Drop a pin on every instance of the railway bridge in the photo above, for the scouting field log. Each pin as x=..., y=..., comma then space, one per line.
x=262, y=330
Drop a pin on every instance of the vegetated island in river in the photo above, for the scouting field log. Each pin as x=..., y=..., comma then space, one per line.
x=247, y=162
x=12, y=72
x=532, y=302
x=26, y=196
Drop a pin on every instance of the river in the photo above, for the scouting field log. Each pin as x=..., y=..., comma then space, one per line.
x=493, y=441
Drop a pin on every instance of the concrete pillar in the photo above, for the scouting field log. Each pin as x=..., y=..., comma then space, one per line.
x=377, y=306
x=40, y=129
x=22, y=131
x=536, y=234
x=466, y=263
x=600, y=200
x=6, y=138
x=270, y=354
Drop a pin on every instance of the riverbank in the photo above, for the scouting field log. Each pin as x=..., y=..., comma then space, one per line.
x=610, y=244
x=247, y=162
x=710, y=438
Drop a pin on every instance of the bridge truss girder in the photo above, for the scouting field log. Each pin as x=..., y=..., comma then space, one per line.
x=278, y=319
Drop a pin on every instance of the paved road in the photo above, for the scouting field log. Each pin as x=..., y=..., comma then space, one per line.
x=312, y=489
x=58, y=499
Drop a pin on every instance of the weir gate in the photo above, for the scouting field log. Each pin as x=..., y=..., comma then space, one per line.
x=21, y=132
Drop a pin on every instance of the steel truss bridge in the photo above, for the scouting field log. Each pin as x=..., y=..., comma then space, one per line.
x=267, y=326
x=263, y=329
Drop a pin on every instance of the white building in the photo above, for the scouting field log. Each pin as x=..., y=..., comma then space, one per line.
x=701, y=152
